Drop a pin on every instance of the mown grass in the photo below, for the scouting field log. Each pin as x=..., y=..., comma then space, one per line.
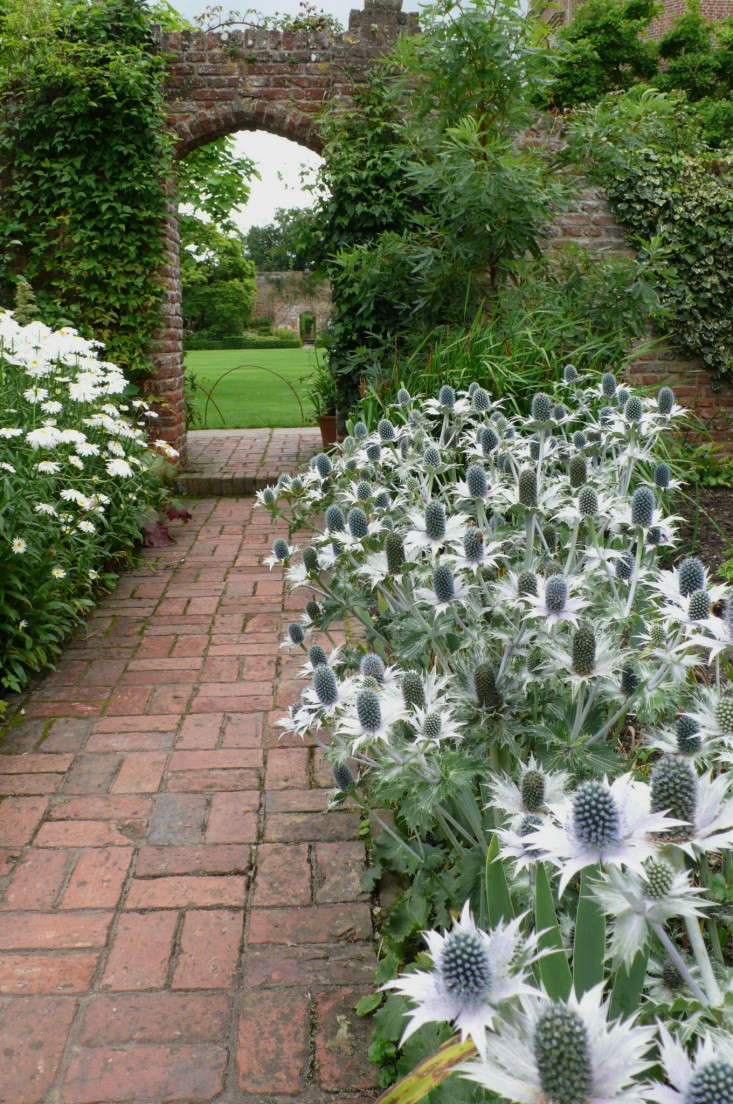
x=251, y=396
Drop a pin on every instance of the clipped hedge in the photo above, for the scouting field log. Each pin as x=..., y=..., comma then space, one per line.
x=280, y=339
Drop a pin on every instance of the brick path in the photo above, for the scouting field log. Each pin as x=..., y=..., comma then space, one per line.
x=179, y=919
x=241, y=461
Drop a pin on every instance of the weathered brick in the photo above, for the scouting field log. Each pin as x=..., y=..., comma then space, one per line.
x=46, y=930
x=141, y=772
x=181, y=891
x=23, y=974
x=178, y=819
x=283, y=875
x=32, y=1038
x=144, y=1073
x=317, y=924
x=342, y=1039
x=19, y=818
x=209, y=949
x=218, y=858
x=338, y=869
x=233, y=817
x=36, y=881
x=141, y=948
x=313, y=965
x=98, y=878
x=163, y=1017
x=287, y=768
x=273, y=1042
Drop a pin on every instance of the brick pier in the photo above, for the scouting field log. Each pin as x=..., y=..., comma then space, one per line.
x=180, y=920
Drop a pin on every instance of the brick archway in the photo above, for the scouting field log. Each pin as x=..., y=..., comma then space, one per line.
x=220, y=83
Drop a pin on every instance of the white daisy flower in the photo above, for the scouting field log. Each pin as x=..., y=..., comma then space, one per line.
x=18, y=546
x=474, y=972
x=558, y=1052
x=118, y=467
x=602, y=824
x=48, y=467
x=45, y=508
x=52, y=406
x=35, y=395
x=707, y=1078
x=58, y=572
x=10, y=431
x=5, y=466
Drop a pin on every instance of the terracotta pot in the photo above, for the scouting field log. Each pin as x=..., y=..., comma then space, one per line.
x=329, y=432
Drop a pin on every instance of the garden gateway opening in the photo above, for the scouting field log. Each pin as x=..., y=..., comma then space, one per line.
x=256, y=79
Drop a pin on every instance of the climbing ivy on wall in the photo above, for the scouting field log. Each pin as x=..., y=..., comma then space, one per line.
x=83, y=159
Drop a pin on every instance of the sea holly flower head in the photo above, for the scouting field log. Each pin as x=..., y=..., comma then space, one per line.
x=565, y=1053
x=704, y=1078
x=474, y=973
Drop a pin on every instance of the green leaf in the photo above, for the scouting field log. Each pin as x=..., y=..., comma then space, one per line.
x=498, y=900
x=429, y=1073
x=369, y=1003
x=590, y=938
x=554, y=969
x=627, y=986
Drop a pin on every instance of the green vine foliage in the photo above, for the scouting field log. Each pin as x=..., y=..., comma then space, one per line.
x=673, y=195
x=83, y=158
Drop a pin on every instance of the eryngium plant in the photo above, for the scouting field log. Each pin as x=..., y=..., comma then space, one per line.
x=519, y=596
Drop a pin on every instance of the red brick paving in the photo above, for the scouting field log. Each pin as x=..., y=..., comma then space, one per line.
x=180, y=919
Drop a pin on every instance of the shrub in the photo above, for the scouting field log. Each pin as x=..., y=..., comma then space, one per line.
x=278, y=339
x=77, y=482
x=520, y=654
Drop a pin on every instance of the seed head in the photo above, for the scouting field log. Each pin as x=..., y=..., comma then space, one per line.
x=629, y=680
x=443, y=583
x=658, y=878
x=360, y=431
x=624, y=567
x=480, y=400
x=374, y=451
x=569, y=373
x=335, y=522
x=386, y=431
x=432, y=726
x=476, y=482
x=622, y=397
x=488, y=440
x=579, y=439
x=671, y=976
x=558, y=412
x=698, y=607
x=325, y=685
x=688, y=735
x=368, y=710
x=473, y=545
x=528, y=487
x=295, y=633
x=357, y=522
x=527, y=583
x=310, y=560
x=280, y=549
x=562, y=1055
x=435, y=520
x=364, y=491
x=395, y=550
x=633, y=409
x=382, y=501
x=642, y=507
x=342, y=776
x=596, y=816
x=464, y=966
x=587, y=502
x=413, y=692
x=316, y=656
x=323, y=465
x=584, y=650
x=403, y=396
x=431, y=457
x=606, y=415
x=673, y=785
x=268, y=496
x=528, y=824
x=447, y=396
x=556, y=594
x=372, y=666
x=541, y=407
x=662, y=476
x=314, y=611
x=608, y=384
x=484, y=683
x=724, y=714
x=690, y=576
x=665, y=400
x=711, y=1084
x=533, y=790
x=578, y=471
x=297, y=484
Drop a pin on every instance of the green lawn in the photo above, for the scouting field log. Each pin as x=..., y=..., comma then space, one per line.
x=250, y=397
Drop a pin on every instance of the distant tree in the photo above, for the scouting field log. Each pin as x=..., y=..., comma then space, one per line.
x=213, y=181
x=282, y=245
x=217, y=278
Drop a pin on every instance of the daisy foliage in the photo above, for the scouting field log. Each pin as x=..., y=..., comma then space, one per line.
x=542, y=726
x=77, y=481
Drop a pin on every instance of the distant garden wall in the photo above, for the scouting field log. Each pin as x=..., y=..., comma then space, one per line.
x=284, y=296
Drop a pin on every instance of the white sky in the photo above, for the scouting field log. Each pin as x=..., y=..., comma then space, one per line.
x=279, y=161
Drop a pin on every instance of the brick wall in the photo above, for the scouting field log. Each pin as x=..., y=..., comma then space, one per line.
x=284, y=296
x=713, y=10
